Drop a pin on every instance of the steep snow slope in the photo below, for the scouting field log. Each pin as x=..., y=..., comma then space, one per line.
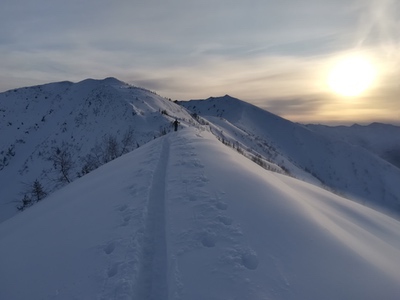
x=185, y=217
x=347, y=169
x=381, y=139
x=78, y=117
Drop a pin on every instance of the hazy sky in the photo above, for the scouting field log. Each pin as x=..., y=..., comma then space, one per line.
x=274, y=53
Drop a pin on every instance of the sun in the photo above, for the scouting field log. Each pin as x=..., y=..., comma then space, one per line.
x=351, y=76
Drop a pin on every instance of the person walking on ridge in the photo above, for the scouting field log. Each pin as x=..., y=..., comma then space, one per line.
x=176, y=123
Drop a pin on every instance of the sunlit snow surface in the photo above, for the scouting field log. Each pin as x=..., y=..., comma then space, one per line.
x=185, y=217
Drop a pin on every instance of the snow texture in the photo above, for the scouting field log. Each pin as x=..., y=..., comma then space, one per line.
x=185, y=217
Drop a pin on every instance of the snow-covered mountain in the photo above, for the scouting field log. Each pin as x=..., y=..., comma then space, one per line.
x=381, y=139
x=193, y=214
x=90, y=122
x=94, y=121
x=345, y=168
x=185, y=217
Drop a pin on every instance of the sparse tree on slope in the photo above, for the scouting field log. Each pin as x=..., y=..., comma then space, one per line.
x=38, y=192
x=127, y=141
x=111, y=148
x=34, y=194
x=62, y=162
x=26, y=202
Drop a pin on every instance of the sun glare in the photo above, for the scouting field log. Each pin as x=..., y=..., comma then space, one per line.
x=351, y=76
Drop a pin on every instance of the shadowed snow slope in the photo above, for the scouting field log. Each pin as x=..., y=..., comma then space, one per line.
x=185, y=217
x=382, y=139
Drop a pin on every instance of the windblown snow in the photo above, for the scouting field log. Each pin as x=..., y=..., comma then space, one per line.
x=185, y=217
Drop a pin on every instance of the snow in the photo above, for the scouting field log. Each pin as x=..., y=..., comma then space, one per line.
x=185, y=217
x=335, y=164
x=81, y=116
x=35, y=120
x=381, y=139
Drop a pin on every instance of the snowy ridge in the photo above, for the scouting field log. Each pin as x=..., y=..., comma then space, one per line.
x=345, y=168
x=228, y=229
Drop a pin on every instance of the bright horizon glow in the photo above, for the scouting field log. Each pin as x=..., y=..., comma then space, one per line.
x=351, y=76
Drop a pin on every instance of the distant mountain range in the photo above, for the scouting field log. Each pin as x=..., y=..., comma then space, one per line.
x=381, y=139
x=94, y=121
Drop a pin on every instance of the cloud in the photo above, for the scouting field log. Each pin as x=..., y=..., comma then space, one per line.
x=256, y=50
x=379, y=23
x=299, y=109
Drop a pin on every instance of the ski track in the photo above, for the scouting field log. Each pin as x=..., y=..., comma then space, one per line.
x=152, y=280
x=204, y=226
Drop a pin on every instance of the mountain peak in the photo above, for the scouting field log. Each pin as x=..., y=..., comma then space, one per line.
x=225, y=97
x=107, y=80
x=35, y=120
x=112, y=80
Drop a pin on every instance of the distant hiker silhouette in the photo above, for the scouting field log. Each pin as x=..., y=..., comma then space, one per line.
x=176, y=123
